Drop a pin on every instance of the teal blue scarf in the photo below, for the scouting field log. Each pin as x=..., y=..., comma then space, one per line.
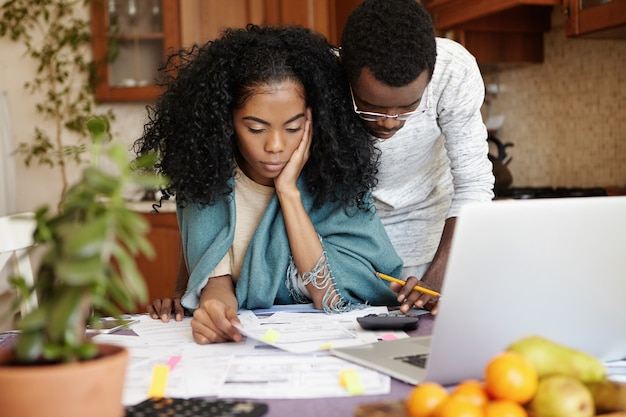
x=356, y=245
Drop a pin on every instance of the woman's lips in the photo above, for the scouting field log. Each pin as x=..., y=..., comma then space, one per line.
x=273, y=166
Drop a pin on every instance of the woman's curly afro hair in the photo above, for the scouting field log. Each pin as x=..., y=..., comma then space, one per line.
x=395, y=39
x=191, y=127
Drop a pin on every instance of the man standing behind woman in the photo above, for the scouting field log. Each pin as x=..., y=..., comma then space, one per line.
x=421, y=97
x=272, y=172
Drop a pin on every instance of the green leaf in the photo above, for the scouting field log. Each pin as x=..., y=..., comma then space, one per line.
x=53, y=352
x=131, y=275
x=67, y=313
x=118, y=295
x=85, y=240
x=86, y=351
x=29, y=346
x=80, y=272
x=100, y=182
x=35, y=320
x=98, y=126
x=105, y=305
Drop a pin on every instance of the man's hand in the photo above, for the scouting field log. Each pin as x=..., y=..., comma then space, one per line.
x=409, y=298
x=164, y=308
x=432, y=279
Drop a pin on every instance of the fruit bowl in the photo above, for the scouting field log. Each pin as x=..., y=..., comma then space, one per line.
x=396, y=408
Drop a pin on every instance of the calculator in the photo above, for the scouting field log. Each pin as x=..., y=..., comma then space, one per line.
x=196, y=407
x=388, y=321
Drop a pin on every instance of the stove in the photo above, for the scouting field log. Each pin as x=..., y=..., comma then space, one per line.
x=522, y=193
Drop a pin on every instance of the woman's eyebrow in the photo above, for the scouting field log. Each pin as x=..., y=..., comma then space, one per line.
x=294, y=118
x=256, y=119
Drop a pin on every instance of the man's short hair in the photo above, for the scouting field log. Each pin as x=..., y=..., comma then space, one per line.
x=395, y=39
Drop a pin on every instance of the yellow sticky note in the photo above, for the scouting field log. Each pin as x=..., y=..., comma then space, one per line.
x=351, y=380
x=271, y=336
x=328, y=346
x=159, y=381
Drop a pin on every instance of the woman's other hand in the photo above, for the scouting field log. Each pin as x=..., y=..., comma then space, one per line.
x=164, y=308
x=214, y=319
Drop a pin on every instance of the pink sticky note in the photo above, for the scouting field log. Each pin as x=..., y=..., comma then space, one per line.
x=173, y=361
x=388, y=336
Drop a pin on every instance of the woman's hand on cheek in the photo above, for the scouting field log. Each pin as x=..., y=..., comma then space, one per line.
x=290, y=173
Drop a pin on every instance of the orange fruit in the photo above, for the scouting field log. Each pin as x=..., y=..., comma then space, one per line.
x=504, y=408
x=473, y=391
x=424, y=398
x=458, y=407
x=510, y=376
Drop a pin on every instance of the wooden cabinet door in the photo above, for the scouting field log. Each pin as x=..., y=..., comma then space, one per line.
x=203, y=20
x=160, y=272
x=141, y=34
x=324, y=16
x=595, y=18
x=495, y=32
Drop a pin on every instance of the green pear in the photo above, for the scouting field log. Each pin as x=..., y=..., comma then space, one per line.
x=562, y=396
x=549, y=357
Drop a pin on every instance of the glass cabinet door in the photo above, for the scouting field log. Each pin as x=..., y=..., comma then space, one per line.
x=131, y=39
x=585, y=4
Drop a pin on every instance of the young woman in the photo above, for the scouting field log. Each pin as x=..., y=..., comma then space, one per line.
x=271, y=170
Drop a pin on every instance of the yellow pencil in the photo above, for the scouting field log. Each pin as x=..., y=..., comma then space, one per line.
x=399, y=281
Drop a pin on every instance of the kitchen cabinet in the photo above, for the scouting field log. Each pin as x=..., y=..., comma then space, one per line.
x=160, y=272
x=324, y=16
x=595, y=18
x=131, y=39
x=496, y=32
x=202, y=20
x=142, y=33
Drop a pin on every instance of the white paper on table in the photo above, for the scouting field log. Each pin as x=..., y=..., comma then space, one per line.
x=297, y=336
x=156, y=332
x=282, y=375
x=616, y=370
x=249, y=369
x=305, y=333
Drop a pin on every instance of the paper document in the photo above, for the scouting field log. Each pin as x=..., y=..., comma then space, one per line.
x=305, y=332
x=616, y=370
x=253, y=368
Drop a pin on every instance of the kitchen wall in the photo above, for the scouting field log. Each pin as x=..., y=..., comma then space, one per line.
x=37, y=185
x=567, y=116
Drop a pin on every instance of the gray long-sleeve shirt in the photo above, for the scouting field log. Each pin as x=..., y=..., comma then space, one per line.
x=438, y=161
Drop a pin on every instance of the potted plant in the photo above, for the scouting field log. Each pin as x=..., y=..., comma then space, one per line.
x=87, y=270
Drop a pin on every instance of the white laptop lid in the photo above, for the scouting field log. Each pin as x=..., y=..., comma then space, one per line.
x=553, y=267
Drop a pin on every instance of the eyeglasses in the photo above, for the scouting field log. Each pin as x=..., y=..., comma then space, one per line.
x=370, y=116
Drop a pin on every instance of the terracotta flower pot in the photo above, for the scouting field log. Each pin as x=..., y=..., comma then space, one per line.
x=86, y=389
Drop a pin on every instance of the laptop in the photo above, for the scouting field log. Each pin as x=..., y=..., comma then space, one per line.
x=551, y=267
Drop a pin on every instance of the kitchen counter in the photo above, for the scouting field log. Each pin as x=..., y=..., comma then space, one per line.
x=615, y=190
x=167, y=206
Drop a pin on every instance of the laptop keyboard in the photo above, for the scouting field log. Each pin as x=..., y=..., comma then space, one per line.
x=417, y=360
